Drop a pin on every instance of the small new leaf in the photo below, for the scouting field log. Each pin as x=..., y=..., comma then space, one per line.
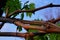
x=19, y=28
x=31, y=6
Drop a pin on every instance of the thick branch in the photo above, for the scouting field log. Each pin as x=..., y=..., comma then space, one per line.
x=25, y=35
x=2, y=19
x=16, y=34
x=41, y=28
x=50, y=27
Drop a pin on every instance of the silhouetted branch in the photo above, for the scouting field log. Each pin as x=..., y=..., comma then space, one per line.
x=1, y=25
x=19, y=11
x=54, y=20
x=34, y=10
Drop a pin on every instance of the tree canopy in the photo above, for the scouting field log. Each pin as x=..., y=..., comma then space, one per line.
x=36, y=29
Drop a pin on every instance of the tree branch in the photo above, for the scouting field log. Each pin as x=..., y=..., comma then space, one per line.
x=25, y=35
x=34, y=10
x=14, y=34
x=19, y=11
x=54, y=20
x=41, y=28
x=7, y=11
x=11, y=20
x=49, y=26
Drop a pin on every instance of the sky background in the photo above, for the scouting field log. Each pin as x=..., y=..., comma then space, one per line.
x=38, y=15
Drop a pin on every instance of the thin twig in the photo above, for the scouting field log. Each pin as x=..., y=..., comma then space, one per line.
x=7, y=12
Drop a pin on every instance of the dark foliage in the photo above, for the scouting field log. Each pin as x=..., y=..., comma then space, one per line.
x=2, y=4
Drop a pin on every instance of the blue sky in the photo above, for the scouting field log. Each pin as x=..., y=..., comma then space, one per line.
x=39, y=14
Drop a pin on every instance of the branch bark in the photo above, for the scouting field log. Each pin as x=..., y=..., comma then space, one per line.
x=10, y=20
x=50, y=27
x=14, y=34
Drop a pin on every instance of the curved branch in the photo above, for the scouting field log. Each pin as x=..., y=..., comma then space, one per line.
x=34, y=10
x=19, y=11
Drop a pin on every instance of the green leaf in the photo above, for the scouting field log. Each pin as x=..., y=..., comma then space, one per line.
x=58, y=35
x=53, y=36
x=32, y=6
x=58, y=24
x=19, y=28
x=13, y=5
x=22, y=15
x=28, y=13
